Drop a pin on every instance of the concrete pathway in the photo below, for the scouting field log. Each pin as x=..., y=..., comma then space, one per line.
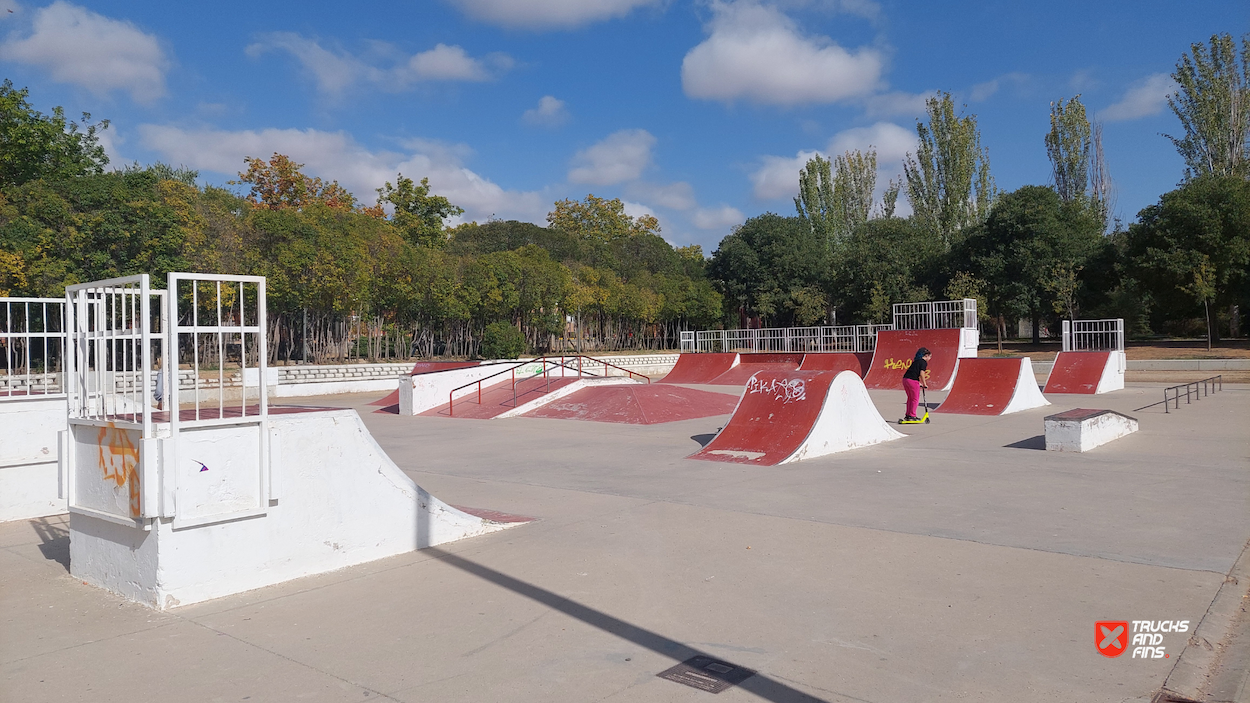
x=960, y=563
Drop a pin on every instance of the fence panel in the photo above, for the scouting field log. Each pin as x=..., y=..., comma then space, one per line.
x=32, y=341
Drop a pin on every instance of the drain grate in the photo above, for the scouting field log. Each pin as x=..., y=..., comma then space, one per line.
x=707, y=674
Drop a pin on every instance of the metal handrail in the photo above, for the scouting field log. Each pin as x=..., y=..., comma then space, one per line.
x=1173, y=393
x=544, y=360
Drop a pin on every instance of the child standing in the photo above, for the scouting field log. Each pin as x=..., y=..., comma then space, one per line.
x=915, y=378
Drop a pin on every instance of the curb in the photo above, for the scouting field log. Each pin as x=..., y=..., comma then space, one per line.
x=1191, y=674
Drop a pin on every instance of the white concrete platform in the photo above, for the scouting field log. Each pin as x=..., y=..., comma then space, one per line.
x=1081, y=430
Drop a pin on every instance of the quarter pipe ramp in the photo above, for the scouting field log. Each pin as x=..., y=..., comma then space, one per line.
x=896, y=349
x=795, y=415
x=700, y=368
x=637, y=404
x=859, y=362
x=1087, y=372
x=993, y=387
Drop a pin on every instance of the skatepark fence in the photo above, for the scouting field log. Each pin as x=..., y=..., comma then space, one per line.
x=845, y=338
x=1093, y=335
x=936, y=315
x=32, y=407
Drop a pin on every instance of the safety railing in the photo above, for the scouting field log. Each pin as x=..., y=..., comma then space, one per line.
x=1093, y=335
x=846, y=338
x=936, y=315
x=32, y=342
x=544, y=361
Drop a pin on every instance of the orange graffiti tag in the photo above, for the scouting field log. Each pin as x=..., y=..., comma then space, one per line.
x=897, y=364
x=119, y=458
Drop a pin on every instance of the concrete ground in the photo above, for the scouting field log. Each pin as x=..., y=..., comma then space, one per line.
x=962, y=562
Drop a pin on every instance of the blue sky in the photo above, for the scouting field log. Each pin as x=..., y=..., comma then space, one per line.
x=701, y=113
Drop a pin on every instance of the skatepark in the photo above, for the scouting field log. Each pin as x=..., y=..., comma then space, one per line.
x=953, y=560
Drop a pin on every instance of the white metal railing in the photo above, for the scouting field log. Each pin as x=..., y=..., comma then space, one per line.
x=936, y=315
x=113, y=335
x=848, y=338
x=32, y=343
x=1093, y=335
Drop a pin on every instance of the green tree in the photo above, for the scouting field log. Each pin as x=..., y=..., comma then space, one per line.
x=419, y=216
x=598, y=219
x=1212, y=101
x=886, y=262
x=1192, y=248
x=1078, y=167
x=772, y=266
x=1029, y=246
x=34, y=145
x=836, y=197
x=278, y=184
x=502, y=341
x=948, y=179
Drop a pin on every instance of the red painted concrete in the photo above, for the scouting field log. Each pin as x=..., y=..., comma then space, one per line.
x=424, y=367
x=769, y=425
x=637, y=404
x=837, y=361
x=699, y=368
x=1077, y=372
x=497, y=399
x=982, y=387
x=748, y=364
x=896, y=349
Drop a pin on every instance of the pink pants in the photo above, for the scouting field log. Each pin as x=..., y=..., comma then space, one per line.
x=913, y=397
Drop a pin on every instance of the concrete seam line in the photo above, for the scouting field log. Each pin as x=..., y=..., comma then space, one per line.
x=1196, y=662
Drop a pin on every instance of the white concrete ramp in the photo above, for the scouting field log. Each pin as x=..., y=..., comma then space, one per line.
x=335, y=499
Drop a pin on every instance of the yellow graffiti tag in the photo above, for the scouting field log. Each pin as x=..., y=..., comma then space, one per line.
x=119, y=459
x=898, y=364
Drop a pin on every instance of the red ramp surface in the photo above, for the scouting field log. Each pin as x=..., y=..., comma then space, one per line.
x=637, y=404
x=700, y=368
x=789, y=416
x=859, y=362
x=993, y=387
x=896, y=349
x=498, y=399
x=392, y=398
x=749, y=364
x=1077, y=372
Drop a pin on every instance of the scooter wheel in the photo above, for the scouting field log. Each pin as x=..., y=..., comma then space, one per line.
x=926, y=421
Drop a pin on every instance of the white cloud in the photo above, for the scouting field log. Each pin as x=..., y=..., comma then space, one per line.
x=896, y=104
x=718, y=217
x=778, y=176
x=544, y=14
x=983, y=91
x=620, y=157
x=675, y=196
x=1145, y=97
x=550, y=112
x=756, y=52
x=80, y=47
x=335, y=155
x=337, y=72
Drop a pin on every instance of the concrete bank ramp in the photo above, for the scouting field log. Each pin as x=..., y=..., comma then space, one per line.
x=791, y=416
x=637, y=404
x=993, y=387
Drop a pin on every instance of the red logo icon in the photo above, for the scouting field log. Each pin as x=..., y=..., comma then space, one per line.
x=1111, y=637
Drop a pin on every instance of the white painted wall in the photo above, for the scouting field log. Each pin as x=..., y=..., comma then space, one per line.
x=31, y=484
x=338, y=500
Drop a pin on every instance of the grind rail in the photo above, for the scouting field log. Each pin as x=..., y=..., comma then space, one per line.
x=545, y=361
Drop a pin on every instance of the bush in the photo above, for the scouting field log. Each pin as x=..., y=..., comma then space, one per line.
x=502, y=340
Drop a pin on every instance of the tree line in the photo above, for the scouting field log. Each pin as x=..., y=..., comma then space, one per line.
x=1038, y=253
x=390, y=279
